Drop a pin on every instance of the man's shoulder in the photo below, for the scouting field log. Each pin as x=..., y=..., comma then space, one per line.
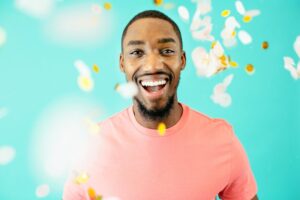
x=116, y=117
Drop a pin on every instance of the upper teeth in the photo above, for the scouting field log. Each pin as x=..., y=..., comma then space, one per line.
x=153, y=83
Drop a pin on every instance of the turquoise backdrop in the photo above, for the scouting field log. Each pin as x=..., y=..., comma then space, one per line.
x=37, y=72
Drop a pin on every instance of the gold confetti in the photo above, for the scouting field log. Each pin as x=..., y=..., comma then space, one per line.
x=161, y=128
x=107, y=6
x=225, y=13
x=158, y=2
x=96, y=68
x=117, y=86
x=233, y=64
x=265, y=45
x=213, y=44
x=82, y=178
x=247, y=18
x=91, y=193
x=250, y=69
x=233, y=33
x=85, y=83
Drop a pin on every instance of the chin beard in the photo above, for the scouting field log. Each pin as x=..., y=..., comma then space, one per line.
x=156, y=114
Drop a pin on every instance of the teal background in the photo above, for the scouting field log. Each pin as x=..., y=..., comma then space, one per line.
x=265, y=112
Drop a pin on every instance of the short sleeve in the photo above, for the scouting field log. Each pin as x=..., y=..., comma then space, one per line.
x=73, y=191
x=241, y=184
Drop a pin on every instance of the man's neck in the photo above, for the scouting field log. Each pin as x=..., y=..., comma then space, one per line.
x=169, y=121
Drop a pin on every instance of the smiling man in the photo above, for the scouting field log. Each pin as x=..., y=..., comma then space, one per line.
x=197, y=157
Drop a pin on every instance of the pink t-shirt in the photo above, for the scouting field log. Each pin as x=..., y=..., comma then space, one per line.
x=197, y=159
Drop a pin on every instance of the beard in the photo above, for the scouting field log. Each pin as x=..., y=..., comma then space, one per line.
x=156, y=114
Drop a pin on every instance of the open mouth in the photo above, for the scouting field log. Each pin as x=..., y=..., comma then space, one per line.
x=152, y=86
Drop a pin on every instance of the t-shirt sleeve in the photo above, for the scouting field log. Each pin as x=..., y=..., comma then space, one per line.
x=241, y=184
x=73, y=191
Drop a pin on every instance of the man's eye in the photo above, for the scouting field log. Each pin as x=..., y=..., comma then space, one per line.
x=167, y=52
x=136, y=53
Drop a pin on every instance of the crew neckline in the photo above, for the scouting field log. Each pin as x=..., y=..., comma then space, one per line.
x=153, y=132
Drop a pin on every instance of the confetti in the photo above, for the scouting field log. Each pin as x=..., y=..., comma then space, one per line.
x=183, y=13
x=85, y=83
x=219, y=95
x=228, y=34
x=107, y=6
x=81, y=178
x=127, y=90
x=96, y=68
x=158, y=2
x=297, y=46
x=91, y=193
x=289, y=64
x=249, y=69
x=244, y=37
x=7, y=154
x=265, y=45
x=225, y=13
x=161, y=129
x=233, y=64
x=247, y=15
x=35, y=8
x=42, y=191
x=82, y=68
x=2, y=36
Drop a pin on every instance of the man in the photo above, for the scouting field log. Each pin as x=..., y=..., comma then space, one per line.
x=196, y=158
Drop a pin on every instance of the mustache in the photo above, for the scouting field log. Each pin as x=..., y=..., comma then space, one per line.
x=139, y=74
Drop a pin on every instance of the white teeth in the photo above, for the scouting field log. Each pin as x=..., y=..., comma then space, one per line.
x=153, y=83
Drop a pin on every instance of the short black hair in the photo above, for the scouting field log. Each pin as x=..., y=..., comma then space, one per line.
x=152, y=14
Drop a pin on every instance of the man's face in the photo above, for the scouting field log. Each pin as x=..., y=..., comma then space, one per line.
x=152, y=58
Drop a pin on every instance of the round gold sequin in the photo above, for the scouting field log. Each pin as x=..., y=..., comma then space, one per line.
x=161, y=129
x=225, y=13
x=265, y=45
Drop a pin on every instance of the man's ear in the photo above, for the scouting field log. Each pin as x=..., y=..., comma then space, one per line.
x=183, y=60
x=121, y=63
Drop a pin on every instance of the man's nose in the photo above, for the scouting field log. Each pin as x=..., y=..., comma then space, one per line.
x=153, y=63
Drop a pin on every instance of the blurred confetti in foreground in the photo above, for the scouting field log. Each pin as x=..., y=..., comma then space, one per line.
x=247, y=14
x=161, y=129
x=107, y=6
x=250, y=69
x=158, y=2
x=61, y=139
x=3, y=112
x=35, y=8
x=81, y=177
x=42, y=191
x=84, y=80
x=7, y=154
x=289, y=63
x=2, y=36
x=220, y=96
x=183, y=13
x=265, y=45
x=127, y=90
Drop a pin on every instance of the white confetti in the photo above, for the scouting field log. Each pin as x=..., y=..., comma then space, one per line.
x=183, y=13
x=219, y=95
x=2, y=36
x=244, y=37
x=82, y=68
x=35, y=8
x=297, y=46
x=289, y=65
x=127, y=90
x=240, y=7
x=42, y=191
x=3, y=112
x=7, y=154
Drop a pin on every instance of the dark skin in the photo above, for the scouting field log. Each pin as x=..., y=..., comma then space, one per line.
x=151, y=51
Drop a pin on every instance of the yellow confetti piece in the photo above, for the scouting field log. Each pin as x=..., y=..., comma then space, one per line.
x=213, y=44
x=117, y=86
x=247, y=18
x=225, y=13
x=161, y=129
x=82, y=178
x=233, y=64
x=265, y=45
x=91, y=193
x=250, y=69
x=107, y=6
x=158, y=2
x=96, y=68
x=233, y=33
x=85, y=83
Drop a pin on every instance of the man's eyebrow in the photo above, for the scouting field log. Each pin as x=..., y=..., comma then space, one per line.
x=135, y=42
x=166, y=40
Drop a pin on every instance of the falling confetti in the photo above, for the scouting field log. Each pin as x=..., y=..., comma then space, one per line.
x=2, y=36
x=220, y=96
x=161, y=129
x=96, y=68
x=228, y=34
x=7, y=154
x=289, y=65
x=35, y=8
x=265, y=45
x=82, y=68
x=127, y=90
x=107, y=6
x=297, y=46
x=244, y=37
x=42, y=191
x=233, y=64
x=225, y=13
x=85, y=83
x=81, y=178
x=91, y=193
x=158, y=2
x=183, y=13
x=249, y=69
x=247, y=15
